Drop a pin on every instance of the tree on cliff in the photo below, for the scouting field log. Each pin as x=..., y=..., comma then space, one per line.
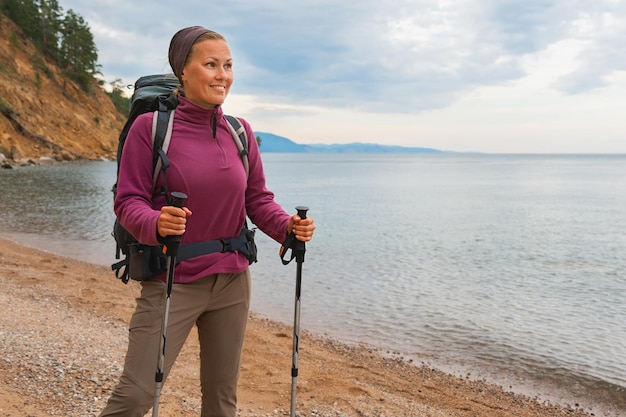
x=24, y=13
x=50, y=27
x=66, y=39
x=118, y=97
x=78, y=53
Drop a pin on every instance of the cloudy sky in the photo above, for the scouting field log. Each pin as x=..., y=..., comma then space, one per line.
x=519, y=76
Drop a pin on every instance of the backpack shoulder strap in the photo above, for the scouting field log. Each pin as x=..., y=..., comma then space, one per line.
x=241, y=139
x=162, y=123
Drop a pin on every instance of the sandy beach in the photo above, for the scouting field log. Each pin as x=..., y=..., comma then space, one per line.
x=63, y=334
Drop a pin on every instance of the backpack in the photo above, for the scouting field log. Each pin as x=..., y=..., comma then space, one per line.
x=155, y=93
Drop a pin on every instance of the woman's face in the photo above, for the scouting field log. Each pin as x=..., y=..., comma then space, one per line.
x=208, y=73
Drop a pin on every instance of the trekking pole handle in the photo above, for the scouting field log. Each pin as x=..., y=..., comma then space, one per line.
x=291, y=242
x=172, y=242
x=302, y=211
x=178, y=199
x=299, y=247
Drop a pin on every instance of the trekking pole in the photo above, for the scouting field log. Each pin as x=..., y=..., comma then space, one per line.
x=298, y=249
x=170, y=249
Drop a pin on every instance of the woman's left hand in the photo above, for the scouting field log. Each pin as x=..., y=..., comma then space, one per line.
x=302, y=228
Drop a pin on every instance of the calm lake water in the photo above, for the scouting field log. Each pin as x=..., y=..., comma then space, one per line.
x=510, y=268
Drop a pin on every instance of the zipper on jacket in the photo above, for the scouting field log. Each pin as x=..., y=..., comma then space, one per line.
x=217, y=141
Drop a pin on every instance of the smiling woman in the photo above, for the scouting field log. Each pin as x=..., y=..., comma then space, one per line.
x=212, y=290
x=206, y=69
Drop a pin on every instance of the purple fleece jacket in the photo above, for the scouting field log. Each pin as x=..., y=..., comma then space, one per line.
x=209, y=170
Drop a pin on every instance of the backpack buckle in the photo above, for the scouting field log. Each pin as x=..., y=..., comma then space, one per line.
x=227, y=245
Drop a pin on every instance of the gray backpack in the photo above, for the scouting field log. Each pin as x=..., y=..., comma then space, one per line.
x=155, y=93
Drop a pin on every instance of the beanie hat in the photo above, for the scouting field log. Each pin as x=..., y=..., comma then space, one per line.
x=180, y=46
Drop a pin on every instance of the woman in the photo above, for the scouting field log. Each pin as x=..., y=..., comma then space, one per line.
x=211, y=291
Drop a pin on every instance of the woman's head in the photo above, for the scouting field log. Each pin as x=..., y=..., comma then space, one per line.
x=201, y=60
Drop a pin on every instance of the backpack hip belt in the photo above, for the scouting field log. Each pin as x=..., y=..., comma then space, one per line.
x=234, y=244
x=146, y=261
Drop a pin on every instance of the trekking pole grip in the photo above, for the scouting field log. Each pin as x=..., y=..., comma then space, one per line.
x=302, y=211
x=178, y=199
x=299, y=247
x=172, y=242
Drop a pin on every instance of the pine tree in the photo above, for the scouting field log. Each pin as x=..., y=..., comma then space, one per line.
x=49, y=27
x=66, y=39
x=121, y=102
x=78, y=53
x=24, y=13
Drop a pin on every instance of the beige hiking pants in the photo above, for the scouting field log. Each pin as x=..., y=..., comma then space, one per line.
x=218, y=304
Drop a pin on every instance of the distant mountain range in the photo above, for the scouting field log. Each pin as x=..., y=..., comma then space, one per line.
x=278, y=144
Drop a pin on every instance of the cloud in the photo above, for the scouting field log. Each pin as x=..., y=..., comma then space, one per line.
x=528, y=26
x=395, y=56
x=603, y=32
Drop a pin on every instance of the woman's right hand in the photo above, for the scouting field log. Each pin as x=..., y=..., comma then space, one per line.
x=172, y=221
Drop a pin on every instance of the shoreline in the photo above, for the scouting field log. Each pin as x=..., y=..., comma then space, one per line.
x=334, y=377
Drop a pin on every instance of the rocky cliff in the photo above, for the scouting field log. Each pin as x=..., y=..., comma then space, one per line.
x=44, y=114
